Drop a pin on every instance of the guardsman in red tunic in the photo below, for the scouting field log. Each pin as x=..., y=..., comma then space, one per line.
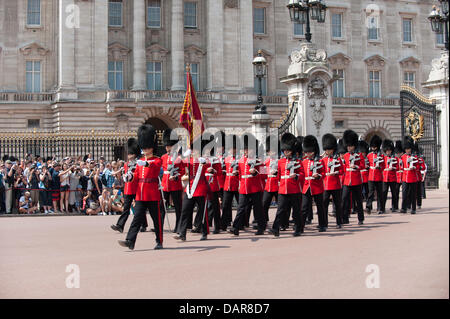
x=363, y=149
x=391, y=165
x=376, y=167
x=272, y=179
x=250, y=186
x=220, y=151
x=289, y=169
x=129, y=191
x=231, y=184
x=214, y=188
x=353, y=163
x=173, y=170
x=410, y=167
x=421, y=172
x=148, y=193
x=334, y=169
x=398, y=150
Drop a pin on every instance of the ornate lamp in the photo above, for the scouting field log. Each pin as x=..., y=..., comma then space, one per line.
x=260, y=66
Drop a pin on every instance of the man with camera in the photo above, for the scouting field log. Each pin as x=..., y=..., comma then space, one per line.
x=11, y=168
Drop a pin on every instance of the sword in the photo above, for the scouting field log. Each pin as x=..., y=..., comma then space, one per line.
x=164, y=202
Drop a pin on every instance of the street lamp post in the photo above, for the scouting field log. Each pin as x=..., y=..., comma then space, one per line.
x=302, y=11
x=260, y=65
x=439, y=20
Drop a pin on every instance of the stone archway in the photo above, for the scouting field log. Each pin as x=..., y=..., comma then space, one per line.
x=376, y=131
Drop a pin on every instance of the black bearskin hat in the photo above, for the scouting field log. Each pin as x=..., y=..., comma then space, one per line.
x=408, y=142
x=133, y=147
x=249, y=141
x=375, y=141
x=388, y=145
x=166, y=138
x=398, y=147
x=310, y=144
x=340, y=147
x=298, y=146
x=350, y=138
x=287, y=142
x=231, y=141
x=363, y=147
x=416, y=148
x=329, y=142
x=270, y=144
x=147, y=137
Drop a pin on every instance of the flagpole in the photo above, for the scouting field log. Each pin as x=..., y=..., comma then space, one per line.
x=188, y=70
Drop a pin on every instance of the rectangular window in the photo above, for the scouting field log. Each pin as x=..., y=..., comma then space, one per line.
x=439, y=38
x=336, y=25
x=194, y=76
x=338, y=124
x=33, y=76
x=33, y=123
x=409, y=78
x=339, y=84
x=115, y=13
x=154, y=76
x=374, y=84
x=372, y=31
x=154, y=14
x=407, y=30
x=115, y=75
x=259, y=17
x=299, y=29
x=34, y=12
x=190, y=15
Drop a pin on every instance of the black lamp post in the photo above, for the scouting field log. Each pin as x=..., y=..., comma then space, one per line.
x=302, y=11
x=439, y=20
x=260, y=65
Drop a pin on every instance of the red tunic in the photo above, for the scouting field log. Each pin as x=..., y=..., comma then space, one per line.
x=315, y=184
x=168, y=185
x=333, y=181
x=422, y=167
x=202, y=188
x=272, y=179
x=231, y=181
x=289, y=185
x=147, y=180
x=129, y=188
x=353, y=175
x=375, y=171
x=410, y=169
x=212, y=178
x=249, y=184
x=391, y=164
x=365, y=170
x=222, y=173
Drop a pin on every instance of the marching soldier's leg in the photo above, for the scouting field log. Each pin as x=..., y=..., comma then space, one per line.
x=213, y=212
x=323, y=220
x=258, y=212
x=370, y=196
x=419, y=194
x=128, y=200
x=337, y=197
x=379, y=189
x=202, y=207
x=413, y=197
x=395, y=194
x=241, y=211
x=356, y=191
x=155, y=209
x=405, y=195
x=295, y=203
x=283, y=205
x=226, y=209
x=346, y=198
x=176, y=197
x=306, y=203
x=140, y=211
x=186, y=211
x=326, y=200
x=267, y=199
x=385, y=190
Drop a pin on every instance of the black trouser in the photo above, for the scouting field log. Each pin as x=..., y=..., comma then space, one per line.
x=307, y=199
x=127, y=201
x=286, y=202
x=355, y=192
x=394, y=192
x=364, y=191
x=378, y=187
x=214, y=210
x=2, y=200
x=244, y=203
x=227, y=207
x=424, y=195
x=409, y=195
x=187, y=211
x=337, y=203
x=419, y=193
x=157, y=215
x=248, y=212
x=176, y=198
x=266, y=201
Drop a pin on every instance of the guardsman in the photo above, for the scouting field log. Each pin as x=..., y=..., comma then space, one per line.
x=391, y=165
x=409, y=178
x=376, y=167
x=271, y=185
x=314, y=172
x=173, y=170
x=250, y=186
x=196, y=190
x=421, y=172
x=220, y=154
x=212, y=178
x=354, y=162
x=334, y=169
x=129, y=191
x=148, y=193
x=363, y=149
x=398, y=151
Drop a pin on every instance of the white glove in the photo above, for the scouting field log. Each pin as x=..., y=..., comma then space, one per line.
x=127, y=177
x=142, y=163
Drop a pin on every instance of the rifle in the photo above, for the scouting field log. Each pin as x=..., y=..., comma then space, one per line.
x=333, y=164
x=315, y=167
x=173, y=170
x=391, y=161
x=353, y=158
x=378, y=160
x=411, y=161
x=273, y=167
x=291, y=166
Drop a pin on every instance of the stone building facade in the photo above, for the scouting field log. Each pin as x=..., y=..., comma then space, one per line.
x=114, y=64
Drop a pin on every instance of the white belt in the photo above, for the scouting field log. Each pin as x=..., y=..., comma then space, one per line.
x=331, y=174
x=309, y=178
x=271, y=175
x=351, y=170
x=400, y=171
x=209, y=174
x=388, y=169
x=409, y=169
x=374, y=167
x=363, y=170
x=229, y=174
x=247, y=176
x=286, y=177
x=166, y=172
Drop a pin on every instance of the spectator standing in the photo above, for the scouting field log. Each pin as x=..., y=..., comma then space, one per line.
x=2, y=188
x=74, y=180
x=45, y=196
x=55, y=185
x=64, y=176
x=9, y=184
x=33, y=182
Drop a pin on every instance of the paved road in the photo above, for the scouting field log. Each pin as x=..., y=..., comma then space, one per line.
x=411, y=254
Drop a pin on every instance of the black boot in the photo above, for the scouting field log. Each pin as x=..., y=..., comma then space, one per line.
x=126, y=243
x=117, y=228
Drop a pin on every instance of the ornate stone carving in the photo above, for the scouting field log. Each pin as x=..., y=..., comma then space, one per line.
x=155, y=52
x=109, y=108
x=339, y=60
x=117, y=51
x=232, y=4
x=318, y=114
x=439, y=68
x=34, y=49
x=193, y=54
x=317, y=89
x=410, y=63
x=308, y=53
x=375, y=61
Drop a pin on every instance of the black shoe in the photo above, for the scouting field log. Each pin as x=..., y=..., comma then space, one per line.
x=360, y=222
x=224, y=228
x=126, y=243
x=180, y=237
x=274, y=232
x=413, y=212
x=322, y=229
x=259, y=232
x=152, y=230
x=204, y=237
x=380, y=212
x=368, y=211
x=338, y=226
x=308, y=221
x=283, y=228
x=394, y=210
x=403, y=211
x=419, y=207
x=292, y=221
x=255, y=227
x=233, y=231
x=117, y=228
x=297, y=233
x=216, y=231
x=346, y=221
x=196, y=230
x=158, y=246
x=144, y=229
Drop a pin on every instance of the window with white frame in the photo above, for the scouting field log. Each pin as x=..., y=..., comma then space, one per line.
x=190, y=15
x=154, y=76
x=194, y=75
x=33, y=76
x=299, y=29
x=154, y=14
x=409, y=78
x=374, y=84
x=115, y=13
x=339, y=84
x=115, y=75
x=373, y=28
x=34, y=12
x=407, y=30
x=336, y=25
x=259, y=20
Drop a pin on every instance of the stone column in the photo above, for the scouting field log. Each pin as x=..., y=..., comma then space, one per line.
x=246, y=45
x=437, y=83
x=139, y=65
x=177, y=45
x=215, y=71
x=101, y=44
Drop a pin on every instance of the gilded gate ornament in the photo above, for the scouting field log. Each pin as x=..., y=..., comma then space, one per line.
x=414, y=124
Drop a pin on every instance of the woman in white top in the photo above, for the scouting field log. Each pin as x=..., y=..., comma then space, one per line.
x=64, y=177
